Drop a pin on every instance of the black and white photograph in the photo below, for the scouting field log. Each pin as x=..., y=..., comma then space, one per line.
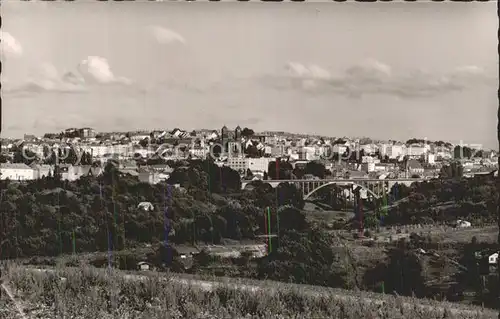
x=197, y=159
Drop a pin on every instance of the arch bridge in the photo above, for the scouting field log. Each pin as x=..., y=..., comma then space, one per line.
x=373, y=187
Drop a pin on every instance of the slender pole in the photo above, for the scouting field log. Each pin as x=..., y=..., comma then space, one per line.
x=167, y=222
x=221, y=179
x=2, y=225
x=209, y=180
x=277, y=169
x=59, y=223
x=107, y=226
x=384, y=211
x=360, y=213
x=113, y=196
x=74, y=243
x=278, y=225
x=269, y=228
x=265, y=231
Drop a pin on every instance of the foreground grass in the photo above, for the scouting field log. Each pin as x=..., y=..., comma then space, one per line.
x=89, y=293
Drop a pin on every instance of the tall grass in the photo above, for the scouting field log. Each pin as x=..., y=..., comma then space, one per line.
x=86, y=292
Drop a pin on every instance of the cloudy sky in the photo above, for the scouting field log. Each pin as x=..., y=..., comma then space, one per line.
x=427, y=70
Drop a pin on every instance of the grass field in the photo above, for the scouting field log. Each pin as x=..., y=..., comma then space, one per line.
x=95, y=293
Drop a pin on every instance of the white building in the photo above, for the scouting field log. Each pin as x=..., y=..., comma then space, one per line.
x=40, y=171
x=152, y=177
x=339, y=148
x=309, y=153
x=416, y=150
x=241, y=164
x=493, y=259
x=431, y=158
x=18, y=172
x=395, y=151
x=259, y=164
x=368, y=148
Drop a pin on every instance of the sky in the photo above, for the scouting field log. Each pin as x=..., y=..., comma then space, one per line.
x=382, y=70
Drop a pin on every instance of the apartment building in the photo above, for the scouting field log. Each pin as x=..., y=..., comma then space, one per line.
x=241, y=164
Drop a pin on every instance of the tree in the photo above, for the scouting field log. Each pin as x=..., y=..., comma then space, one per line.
x=288, y=194
x=285, y=170
x=248, y=174
x=291, y=217
x=452, y=170
x=404, y=272
x=24, y=156
x=315, y=168
x=461, y=152
x=305, y=258
x=246, y=132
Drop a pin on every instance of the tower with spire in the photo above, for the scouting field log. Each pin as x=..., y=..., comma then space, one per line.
x=237, y=133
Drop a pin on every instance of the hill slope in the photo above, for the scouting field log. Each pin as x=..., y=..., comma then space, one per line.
x=89, y=292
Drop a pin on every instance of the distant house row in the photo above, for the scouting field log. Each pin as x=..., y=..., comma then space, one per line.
x=22, y=172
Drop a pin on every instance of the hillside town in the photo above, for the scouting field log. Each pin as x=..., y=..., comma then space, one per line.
x=145, y=154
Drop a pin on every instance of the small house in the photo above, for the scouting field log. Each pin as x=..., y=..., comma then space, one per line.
x=463, y=224
x=493, y=259
x=147, y=206
x=144, y=266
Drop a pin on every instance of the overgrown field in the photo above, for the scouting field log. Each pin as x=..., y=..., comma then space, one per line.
x=92, y=293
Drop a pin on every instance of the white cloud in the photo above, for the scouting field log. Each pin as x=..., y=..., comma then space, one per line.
x=10, y=45
x=46, y=79
x=374, y=77
x=166, y=36
x=309, y=71
x=89, y=72
x=96, y=70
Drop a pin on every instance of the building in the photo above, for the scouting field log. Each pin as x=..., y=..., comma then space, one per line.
x=417, y=150
x=87, y=132
x=16, y=172
x=395, y=151
x=151, y=176
x=144, y=266
x=72, y=173
x=237, y=133
x=431, y=158
x=415, y=168
x=41, y=171
x=493, y=259
x=147, y=206
x=368, y=167
x=259, y=164
x=241, y=164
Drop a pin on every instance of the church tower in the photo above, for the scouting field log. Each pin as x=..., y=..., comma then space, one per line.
x=237, y=133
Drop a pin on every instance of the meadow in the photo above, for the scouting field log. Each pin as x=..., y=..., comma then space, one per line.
x=87, y=292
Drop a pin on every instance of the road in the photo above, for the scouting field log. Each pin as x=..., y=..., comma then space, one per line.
x=207, y=285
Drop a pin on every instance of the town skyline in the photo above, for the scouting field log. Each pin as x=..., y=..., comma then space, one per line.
x=284, y=74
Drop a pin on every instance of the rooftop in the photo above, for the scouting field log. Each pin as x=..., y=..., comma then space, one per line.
x=14, y=166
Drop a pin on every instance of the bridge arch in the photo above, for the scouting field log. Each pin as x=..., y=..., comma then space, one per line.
x=337, y=183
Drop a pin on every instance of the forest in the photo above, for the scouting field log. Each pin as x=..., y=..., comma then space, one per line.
x=202, y=203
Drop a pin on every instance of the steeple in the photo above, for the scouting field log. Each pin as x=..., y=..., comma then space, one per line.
x=223, y=132
x=237, y=133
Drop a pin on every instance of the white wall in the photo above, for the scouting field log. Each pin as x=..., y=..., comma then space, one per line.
x=17, y=174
